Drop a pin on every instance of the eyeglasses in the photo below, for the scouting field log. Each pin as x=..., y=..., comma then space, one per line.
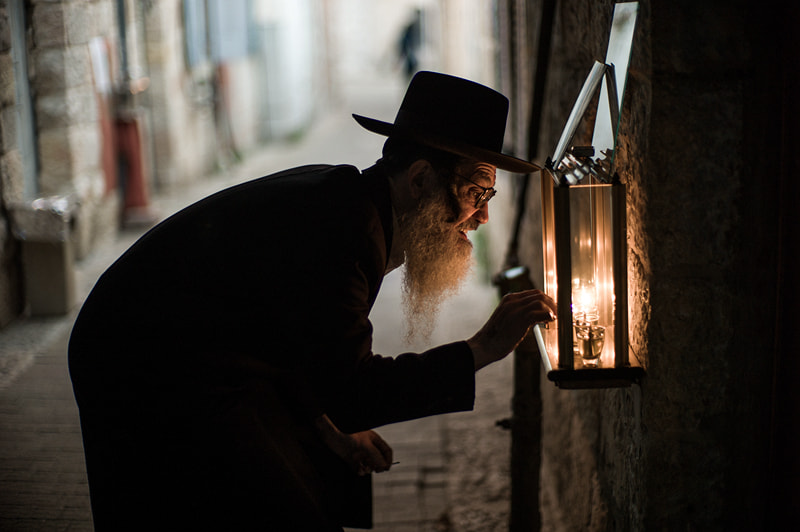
x=486, y=194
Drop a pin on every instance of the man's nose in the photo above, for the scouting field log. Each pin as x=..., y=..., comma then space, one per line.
x=482, y=214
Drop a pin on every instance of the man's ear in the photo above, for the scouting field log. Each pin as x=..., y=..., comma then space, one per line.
x=420, y=178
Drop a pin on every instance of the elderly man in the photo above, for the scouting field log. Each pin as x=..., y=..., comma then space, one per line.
x=223, y=365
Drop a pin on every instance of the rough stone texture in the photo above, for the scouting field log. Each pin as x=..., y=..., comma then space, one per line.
x=10, y=281
x=69, y=107
x=704, y=382
x=96, y=222
x=66, y=103
x=50, y=67
x=180, y=102
x=6, y=79
x=48, y=25
x=591, y=447
x=80, y=24
x=56, y=153
x=66, y=153
x=10, y=182
x=478, y=455
x=61, y=68
x=5, y=31
x=8, y=129
x=690, y=360
x=688, y=448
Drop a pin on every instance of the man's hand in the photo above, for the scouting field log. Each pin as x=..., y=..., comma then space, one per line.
x=365, y=452
x=369, y=452
x=509, y=324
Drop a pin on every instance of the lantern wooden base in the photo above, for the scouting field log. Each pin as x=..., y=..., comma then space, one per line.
x=582, y=377
x=576, y=379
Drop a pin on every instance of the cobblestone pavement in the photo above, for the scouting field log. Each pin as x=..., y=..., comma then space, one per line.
x=453, y=470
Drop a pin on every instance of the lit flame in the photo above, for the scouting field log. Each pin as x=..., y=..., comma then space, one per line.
x=584, y=296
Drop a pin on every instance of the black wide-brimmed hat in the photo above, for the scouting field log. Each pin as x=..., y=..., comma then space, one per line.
x=454, y=115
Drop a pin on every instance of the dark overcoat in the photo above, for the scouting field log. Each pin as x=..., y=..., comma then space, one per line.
x=202, y=356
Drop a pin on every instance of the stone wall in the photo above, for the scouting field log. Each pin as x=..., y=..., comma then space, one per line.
x=67, y=107
x=179, y=101
x=78, y=127
x=687, y=449
x=10, y=177
x=74, y=118
x=592, y=467
x=64, y=151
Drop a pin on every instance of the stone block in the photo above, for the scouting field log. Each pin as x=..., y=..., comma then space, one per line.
x=86, y=144
x=7, y=89
x=73, y=106
x=51, y=109
x=11, y=176
x=48, y=24
x=5, y=30
x=104, y=16
x=55, y=154
x=96, y=221
x=43, y=219
x=49, y=277
x=8, y=129
x=58, y=69
x=66, y=153
x=78, y=70
x=710, y=36
x=43, y=229
x=50, y=66
x=161, y=19
x=79, y=25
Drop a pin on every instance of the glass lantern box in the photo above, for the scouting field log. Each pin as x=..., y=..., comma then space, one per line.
x=584, y=234
x=585, y=271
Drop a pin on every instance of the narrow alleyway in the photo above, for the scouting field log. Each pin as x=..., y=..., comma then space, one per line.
x=453, y=470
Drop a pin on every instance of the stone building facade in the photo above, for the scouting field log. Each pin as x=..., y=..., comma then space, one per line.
x=52, y=142
x=106, y=102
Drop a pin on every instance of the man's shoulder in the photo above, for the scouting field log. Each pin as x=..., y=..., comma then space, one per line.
x=315, y=170
x=306, y=182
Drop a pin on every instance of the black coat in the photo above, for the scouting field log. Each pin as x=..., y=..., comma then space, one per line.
x=203, y=354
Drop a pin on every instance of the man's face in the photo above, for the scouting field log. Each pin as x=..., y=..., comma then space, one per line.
x=438, y=252
x=473, y=181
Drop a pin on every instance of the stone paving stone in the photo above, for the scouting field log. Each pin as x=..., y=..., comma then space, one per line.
x=43, y=483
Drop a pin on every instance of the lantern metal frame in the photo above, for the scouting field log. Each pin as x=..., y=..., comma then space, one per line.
x=559, y=343
x=584, y=230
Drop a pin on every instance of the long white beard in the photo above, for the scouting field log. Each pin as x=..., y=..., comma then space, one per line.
x=437, y=261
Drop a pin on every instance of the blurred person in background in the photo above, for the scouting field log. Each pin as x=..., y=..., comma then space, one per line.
x=409, y=43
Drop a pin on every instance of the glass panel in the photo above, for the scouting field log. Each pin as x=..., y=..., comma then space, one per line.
x=547, y=334
x=592, y=276
x=588, y=90
x=549, y=238
x=589, y=302
x=618, y=56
